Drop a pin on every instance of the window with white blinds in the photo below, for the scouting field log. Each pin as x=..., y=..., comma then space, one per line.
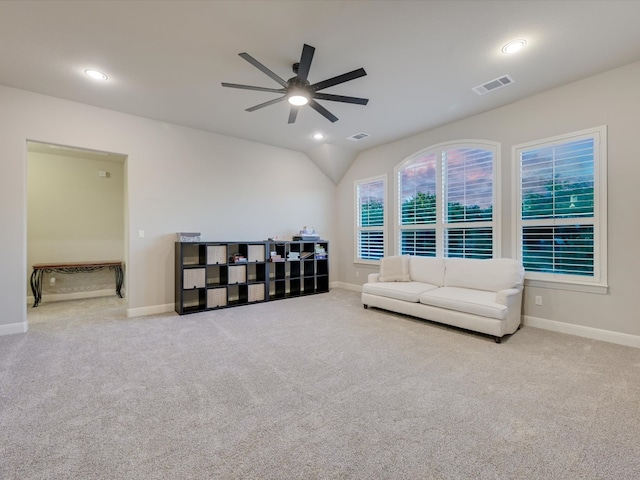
x=445, y=201
x=370, y=219
x=561, y=190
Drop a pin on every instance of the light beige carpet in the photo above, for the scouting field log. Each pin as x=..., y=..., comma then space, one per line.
x=308, y=388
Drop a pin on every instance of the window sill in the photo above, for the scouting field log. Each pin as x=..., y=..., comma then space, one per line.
x=571, y=286
x=360, y=261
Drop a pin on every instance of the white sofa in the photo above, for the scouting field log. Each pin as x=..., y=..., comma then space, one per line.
x=480, y=295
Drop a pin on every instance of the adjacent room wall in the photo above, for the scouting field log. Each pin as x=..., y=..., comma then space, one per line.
x=178, y=179
x=74, y=215
x=610, y=99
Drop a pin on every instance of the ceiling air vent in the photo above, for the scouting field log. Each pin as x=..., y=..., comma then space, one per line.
x=493, y=85
x=358, y=136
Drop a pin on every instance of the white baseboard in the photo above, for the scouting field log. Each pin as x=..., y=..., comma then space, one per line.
x=582, y=331
x=12, y=328
x=152, y=310
x=57, y=297
x=347, y=286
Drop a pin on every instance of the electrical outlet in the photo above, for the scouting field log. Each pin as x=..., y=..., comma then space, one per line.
x=538, y=300
x=357, y=273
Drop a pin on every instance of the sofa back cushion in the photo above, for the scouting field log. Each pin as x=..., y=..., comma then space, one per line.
x=394, y=269
x=491, y=275
x=427, y=270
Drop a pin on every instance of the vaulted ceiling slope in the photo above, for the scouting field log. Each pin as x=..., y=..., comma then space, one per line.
x=166, y=60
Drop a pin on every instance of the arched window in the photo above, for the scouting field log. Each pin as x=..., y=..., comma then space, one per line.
x=445, y=201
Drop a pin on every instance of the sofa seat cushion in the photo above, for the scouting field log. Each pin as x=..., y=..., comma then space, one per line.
x=407, y=291
x=475, y=302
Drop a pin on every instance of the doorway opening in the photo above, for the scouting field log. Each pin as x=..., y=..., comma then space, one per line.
x=76, y=215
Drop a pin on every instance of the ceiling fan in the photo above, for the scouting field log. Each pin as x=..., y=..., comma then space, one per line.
x=298, y=91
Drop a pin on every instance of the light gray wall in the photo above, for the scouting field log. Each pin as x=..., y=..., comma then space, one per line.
x=178, y=179
x=611, y=99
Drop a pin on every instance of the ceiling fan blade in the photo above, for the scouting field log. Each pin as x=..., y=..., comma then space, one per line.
x=341, y=98
x=322, y=111
x=345, y=77
x=263, y=69
x=305, y=62
x=265, y=104
x=293, y=114
x=249, y=87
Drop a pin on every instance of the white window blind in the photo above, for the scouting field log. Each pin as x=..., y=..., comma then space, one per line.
x=561, y=216
x=468, y=191
x=469, y=184
x=417, y=182
x=370, y=222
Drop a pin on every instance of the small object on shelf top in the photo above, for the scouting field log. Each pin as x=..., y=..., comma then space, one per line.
x=307, y=233
x=237, y=258
x=188, y=236
x=276, y=258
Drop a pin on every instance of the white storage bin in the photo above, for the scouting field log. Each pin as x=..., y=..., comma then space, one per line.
x=256, y=292
x=193, y=278
x=216, y=254
x=256, y=253
x=216, y=297
x=237, y=274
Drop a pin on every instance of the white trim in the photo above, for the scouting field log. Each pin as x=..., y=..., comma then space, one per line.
x=571, y=286
x=13, y=328
x=151, y=310
x=56, y=297
x=618, y=338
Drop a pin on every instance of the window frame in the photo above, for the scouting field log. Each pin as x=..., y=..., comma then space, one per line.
x=597, y=283
x=358, y=228
x=441, y=226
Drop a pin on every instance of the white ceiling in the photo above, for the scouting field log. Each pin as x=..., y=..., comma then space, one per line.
x=165, y=60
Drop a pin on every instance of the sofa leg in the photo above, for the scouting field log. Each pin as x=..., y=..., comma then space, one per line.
x=498, y=339
x=365, y=306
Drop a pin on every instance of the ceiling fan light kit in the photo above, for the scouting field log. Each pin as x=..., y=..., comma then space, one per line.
x=298, y=91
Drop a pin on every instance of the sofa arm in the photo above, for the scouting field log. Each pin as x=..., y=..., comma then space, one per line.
x=373, y=277
x=508, y=297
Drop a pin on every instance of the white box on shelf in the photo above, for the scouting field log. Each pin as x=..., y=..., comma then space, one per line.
x=256, y=253
x=256, y=292
x=216, y=254
x=216, y=297
x=188, y=236
x=193, y=278
x=237, y=274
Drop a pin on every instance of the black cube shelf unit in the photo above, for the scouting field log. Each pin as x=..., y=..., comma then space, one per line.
x=211, y=275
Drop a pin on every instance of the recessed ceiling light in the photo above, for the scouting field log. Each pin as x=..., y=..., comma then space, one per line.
x=318, y=136
x=95, y=74
x=514, y=46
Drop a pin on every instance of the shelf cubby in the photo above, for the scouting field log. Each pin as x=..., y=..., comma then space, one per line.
x=217, y=275
x=294, y=269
